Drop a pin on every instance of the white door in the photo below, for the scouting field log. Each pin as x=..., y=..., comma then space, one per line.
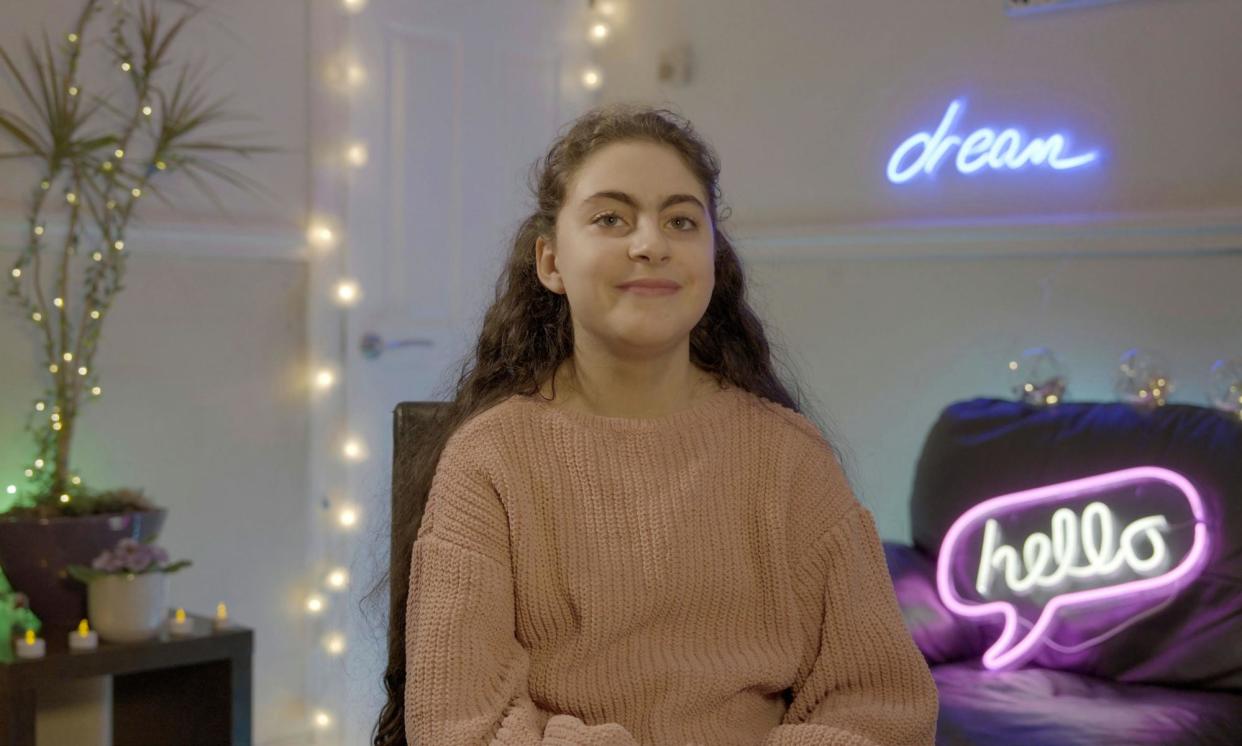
x=455, y=100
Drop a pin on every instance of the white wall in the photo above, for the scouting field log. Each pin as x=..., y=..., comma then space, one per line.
x=201, y=358
x=892, y=301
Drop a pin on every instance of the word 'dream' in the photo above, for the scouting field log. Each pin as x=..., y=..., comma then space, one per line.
x=1080, y=548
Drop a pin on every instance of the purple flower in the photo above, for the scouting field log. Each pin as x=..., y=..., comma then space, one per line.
x=131, y=556
x=103, y=561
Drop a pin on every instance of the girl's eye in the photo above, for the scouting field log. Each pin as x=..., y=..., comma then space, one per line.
x=614, y=216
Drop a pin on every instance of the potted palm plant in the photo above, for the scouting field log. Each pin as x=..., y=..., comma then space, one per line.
x=101, y=148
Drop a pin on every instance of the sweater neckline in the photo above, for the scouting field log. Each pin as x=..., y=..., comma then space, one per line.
x=702, y=410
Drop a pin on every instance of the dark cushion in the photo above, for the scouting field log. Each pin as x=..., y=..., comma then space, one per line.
x=982, y=448
x=942, y=636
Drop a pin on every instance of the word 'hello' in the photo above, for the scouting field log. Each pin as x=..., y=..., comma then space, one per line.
x=1046, y=561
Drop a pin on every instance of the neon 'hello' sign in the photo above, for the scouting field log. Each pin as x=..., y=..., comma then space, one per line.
x=1078, y=551
x=924, y=152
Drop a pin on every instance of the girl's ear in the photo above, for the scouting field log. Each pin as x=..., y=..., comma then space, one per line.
x=545, y=265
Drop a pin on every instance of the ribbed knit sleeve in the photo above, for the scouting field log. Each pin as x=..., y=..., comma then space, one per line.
x=867, y=685
x=466, y=673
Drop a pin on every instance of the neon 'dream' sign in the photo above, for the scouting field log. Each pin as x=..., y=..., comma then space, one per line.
x=924, y=152
x=1052, y=561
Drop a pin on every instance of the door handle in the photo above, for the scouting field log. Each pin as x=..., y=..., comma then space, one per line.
x=373, y=345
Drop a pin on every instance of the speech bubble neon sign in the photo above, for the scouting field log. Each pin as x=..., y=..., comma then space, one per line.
x=983, y=148
x=1102, y=560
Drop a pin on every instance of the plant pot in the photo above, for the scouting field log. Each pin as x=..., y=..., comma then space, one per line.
x=128, y=607
x=34, y=553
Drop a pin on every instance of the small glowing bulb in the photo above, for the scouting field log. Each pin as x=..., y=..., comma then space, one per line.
x=54, y=368
x=110, y=204
x=56, y=426
x=180, y=615
x=97, y=257
x=347, y=517
x=73, y=90
x=599, y=31
x=222, y=612
x=161, y=165
x=321, y=235
x=96, y=391
x=71, y=198
x=38, y=230
x=39, y=407
x=347, y=292
x=37, y=316
x=592, y=79
x=38, y=463
x=58, y=302
x=73, y=38
x=322, y=719
x=68, y=356
x=1051, y=399
x=324, y=378
x=353, y=449
x=82, y=370
x=84, y=628
x=64, y=498
x=30, y=636
x=1013, y=364
x=17, y=272
x=118, y=245
x=11, y=489
x=126, y=66
x=146, y=110
x=338, y=578
x=356, y=154
x=119, y=153
x=45, y=185
x=335, y=644
x=55, y=418
x=76, y=480
x=106, y=166
x=136, y=192
x=314, y=604
x=354, y=5
x=355, y=74
x=30, y=472
x=94, y=314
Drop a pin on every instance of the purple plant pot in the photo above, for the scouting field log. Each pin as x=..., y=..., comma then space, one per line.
x=34, y=553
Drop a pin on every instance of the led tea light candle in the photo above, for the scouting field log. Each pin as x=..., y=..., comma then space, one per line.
x=31, y=646
x=83, y=638
x=181, y=625
x=222, y=617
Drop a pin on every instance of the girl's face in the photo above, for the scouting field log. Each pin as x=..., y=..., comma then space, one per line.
x=633, y=211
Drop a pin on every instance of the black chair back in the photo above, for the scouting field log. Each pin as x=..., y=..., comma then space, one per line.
x=409, y=425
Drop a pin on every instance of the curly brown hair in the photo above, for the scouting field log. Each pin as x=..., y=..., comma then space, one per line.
x=526, y=334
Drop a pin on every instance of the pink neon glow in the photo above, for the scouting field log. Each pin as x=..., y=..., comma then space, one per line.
x=1005, y=653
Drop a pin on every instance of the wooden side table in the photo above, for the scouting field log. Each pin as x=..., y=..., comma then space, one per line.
x=190, y=691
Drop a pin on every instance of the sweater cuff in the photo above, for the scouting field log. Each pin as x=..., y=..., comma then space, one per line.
x=568, y=730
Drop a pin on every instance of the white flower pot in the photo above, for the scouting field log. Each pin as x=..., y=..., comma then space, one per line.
x=128, y=607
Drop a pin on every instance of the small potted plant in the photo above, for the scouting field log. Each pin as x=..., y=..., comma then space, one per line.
x=127, y=589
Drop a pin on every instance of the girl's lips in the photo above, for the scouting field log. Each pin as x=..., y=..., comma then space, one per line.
x=639, y=290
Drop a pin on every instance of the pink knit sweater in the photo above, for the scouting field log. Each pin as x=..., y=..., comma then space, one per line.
x=706, y=577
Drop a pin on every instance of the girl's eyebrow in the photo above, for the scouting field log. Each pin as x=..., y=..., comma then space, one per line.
x=672, y=199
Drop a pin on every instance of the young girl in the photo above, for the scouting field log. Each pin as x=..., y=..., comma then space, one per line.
x=631, y=534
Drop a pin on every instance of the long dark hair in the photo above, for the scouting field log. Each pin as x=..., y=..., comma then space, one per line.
x=526, y=334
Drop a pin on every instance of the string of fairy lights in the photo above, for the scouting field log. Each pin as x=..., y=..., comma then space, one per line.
x=325, y=233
